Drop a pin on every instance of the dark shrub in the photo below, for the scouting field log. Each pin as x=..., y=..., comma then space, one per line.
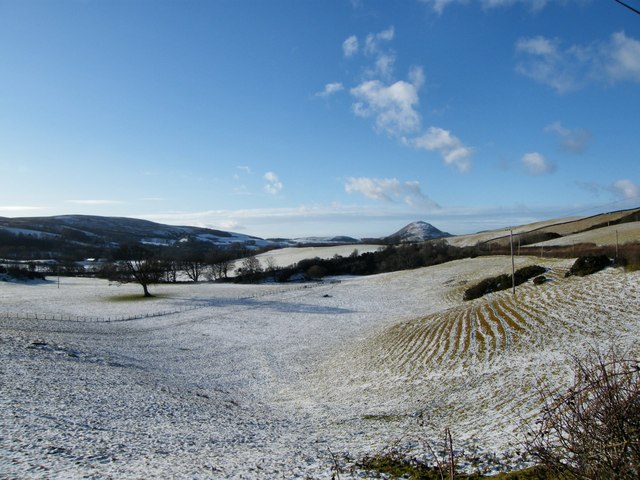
x=589, y=264
x=24, y=274
x=502, y=282
x=316, y=272
x=540, y=280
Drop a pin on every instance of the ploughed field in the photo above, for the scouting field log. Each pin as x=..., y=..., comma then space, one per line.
x=280, y=381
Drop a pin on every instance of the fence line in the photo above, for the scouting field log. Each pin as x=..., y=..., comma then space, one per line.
x=126, y=318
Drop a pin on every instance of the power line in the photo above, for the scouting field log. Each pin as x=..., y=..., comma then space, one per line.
x=628, y=6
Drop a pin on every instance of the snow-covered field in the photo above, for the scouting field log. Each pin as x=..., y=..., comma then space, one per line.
x=273, y=381
x=621, y=234
x=285, y=257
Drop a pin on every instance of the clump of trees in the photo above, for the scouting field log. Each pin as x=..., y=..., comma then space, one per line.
x=502, y=282
x=20, y=273
x=592, y=429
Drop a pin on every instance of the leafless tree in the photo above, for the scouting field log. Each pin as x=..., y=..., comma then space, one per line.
x=137, y=264
x=193, y=267
x=250, y=265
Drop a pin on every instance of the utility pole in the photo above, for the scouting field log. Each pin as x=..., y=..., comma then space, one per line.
x=513, y=264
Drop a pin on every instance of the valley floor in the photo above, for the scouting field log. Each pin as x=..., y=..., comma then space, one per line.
x=277, y=381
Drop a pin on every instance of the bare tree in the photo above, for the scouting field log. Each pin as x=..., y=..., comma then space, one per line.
x=137, y=264
x=193, y=266
x=592, y=430
x=220, y=262
x=250, y=266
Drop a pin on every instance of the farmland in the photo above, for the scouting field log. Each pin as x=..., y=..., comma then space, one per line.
x=271, y=381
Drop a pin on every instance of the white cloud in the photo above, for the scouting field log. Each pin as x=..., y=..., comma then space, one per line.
x=373, y=40
x=374, y=47
x=18, y=208
x=350, y=46
x=392, y=106
x=623, y=58
x=539, y=45
x=536, y=164
x=574, y=141
x=546, y=63
x=244, y=168
x=97, y=202
x=453, y=151
x=573, y=67
x=389, y=190
x=330, y=89
x=626, y=188
x=416, y=76
x=274, y=185
x=438, y=6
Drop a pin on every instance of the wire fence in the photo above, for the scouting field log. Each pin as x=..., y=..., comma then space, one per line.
x=218, y=302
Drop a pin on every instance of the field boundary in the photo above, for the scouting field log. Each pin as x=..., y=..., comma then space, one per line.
x=62, y=317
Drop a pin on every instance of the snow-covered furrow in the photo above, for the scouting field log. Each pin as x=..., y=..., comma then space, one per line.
x=475, y=367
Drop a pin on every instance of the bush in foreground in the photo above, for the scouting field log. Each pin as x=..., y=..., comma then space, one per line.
x=592, y=430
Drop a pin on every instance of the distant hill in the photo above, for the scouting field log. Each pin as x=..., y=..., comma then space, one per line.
x=416, y=232
x=93, y=236
x=339, y=240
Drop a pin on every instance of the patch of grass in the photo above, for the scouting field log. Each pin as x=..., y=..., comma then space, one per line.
x=396, y=466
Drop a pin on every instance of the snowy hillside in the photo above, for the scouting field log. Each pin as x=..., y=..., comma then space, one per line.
x=416, y=232
x=267, y=381
x=68, y=232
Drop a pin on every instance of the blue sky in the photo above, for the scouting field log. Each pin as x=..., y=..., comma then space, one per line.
x=319, y=117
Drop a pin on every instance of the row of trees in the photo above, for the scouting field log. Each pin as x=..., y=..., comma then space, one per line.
x=388, y=259
x=147, y=266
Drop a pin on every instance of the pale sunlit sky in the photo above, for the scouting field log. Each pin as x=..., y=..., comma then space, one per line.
x=292, y=118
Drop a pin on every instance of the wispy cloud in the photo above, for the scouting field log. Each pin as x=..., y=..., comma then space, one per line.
x=537, y=164
x=438, y=6
x=389, y=190
x=393, y=105
x=574, y=141
x=97, y=202
x=341, y=219
x=375, y=48
x=570, y=68
x=452, y=150
x=350, y=46
x=244, y=168
x=626, y=189
x=18, y=208
x=274, y=185
x=330, y=89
